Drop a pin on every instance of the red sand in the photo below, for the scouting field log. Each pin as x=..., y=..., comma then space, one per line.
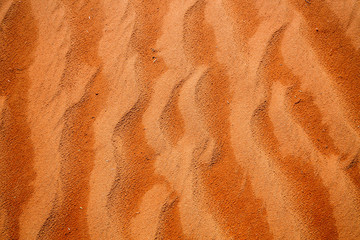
x=190, y=119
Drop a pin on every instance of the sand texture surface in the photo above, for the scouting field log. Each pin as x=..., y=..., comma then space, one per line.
x=182, y=119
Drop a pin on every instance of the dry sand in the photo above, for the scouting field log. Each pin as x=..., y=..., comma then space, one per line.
x=183, y=119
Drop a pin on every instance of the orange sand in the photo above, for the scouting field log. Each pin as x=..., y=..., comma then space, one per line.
x=191, y=119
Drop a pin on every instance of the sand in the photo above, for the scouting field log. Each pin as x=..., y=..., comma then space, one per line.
x=189, y=119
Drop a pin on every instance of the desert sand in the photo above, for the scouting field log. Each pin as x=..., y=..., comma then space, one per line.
x=183, y=119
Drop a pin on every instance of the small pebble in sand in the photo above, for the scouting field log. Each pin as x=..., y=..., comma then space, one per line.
x=69, y=229
x=89, y=17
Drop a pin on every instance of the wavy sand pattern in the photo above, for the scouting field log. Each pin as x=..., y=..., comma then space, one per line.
x=190, y=119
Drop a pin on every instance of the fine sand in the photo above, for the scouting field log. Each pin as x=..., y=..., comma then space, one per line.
x=182, y=119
